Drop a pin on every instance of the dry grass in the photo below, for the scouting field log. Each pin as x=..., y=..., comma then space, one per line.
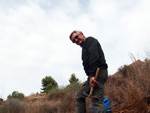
x=54, y=103
x=129, y=88
x=58, y=103
x=62, y=105
x=13, y=106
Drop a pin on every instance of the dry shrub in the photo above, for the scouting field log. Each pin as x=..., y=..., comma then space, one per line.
x=129, y=87
x=43, y=106
x=56, y=96
x=58, y=103
x=13, y=106
x=67, y=104
x=135, y=99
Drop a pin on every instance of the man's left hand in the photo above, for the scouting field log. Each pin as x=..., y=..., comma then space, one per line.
x=93, y=82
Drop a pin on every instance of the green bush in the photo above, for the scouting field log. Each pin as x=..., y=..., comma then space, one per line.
x=48, y=83
x=73, y=79
x=16, y=95
x=70, y=88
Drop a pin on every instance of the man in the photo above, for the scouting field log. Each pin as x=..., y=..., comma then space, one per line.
x=92, y=57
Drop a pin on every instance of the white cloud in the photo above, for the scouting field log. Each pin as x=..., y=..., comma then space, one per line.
x=103, y=10
x=136, y=27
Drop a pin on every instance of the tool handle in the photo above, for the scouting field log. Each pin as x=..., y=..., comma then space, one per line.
x=91, y=91
x=97, y=71
x=96, y=75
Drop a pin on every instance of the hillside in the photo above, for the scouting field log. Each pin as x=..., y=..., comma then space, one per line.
x=128, y=89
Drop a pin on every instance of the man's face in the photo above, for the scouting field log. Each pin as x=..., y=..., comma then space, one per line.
x=77, y=38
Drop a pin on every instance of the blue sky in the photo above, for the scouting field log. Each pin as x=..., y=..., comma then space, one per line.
x=34, y=38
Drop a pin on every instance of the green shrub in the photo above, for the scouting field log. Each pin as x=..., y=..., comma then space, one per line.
x=73, y=79
x=48, y=83
x=70, y=88
x=16, y=95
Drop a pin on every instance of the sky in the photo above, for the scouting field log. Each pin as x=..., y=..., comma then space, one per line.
x=34, y=38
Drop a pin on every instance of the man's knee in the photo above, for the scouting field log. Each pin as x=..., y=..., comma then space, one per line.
x=79, y=99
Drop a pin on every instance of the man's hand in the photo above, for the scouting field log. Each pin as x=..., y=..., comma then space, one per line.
x=93, y=82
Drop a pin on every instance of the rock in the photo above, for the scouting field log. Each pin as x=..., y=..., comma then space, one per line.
x=1, y=101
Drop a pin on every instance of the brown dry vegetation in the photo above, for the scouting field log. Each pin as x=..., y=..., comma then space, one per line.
x=128, y=89
x=42, y=103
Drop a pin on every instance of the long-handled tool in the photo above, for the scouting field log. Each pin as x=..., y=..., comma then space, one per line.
x=92, y=88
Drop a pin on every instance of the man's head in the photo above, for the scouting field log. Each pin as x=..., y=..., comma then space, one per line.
x=77, y=37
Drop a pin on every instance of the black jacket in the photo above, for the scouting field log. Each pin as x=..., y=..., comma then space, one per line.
x=92, y=56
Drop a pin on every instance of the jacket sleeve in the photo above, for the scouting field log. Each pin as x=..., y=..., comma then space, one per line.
x=93, y=50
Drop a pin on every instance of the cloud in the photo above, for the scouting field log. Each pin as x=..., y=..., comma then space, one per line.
x=136, y=27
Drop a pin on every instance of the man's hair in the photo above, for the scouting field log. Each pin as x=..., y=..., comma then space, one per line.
x=75, y=31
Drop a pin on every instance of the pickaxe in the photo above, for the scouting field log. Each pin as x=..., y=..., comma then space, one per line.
x=92, y=88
